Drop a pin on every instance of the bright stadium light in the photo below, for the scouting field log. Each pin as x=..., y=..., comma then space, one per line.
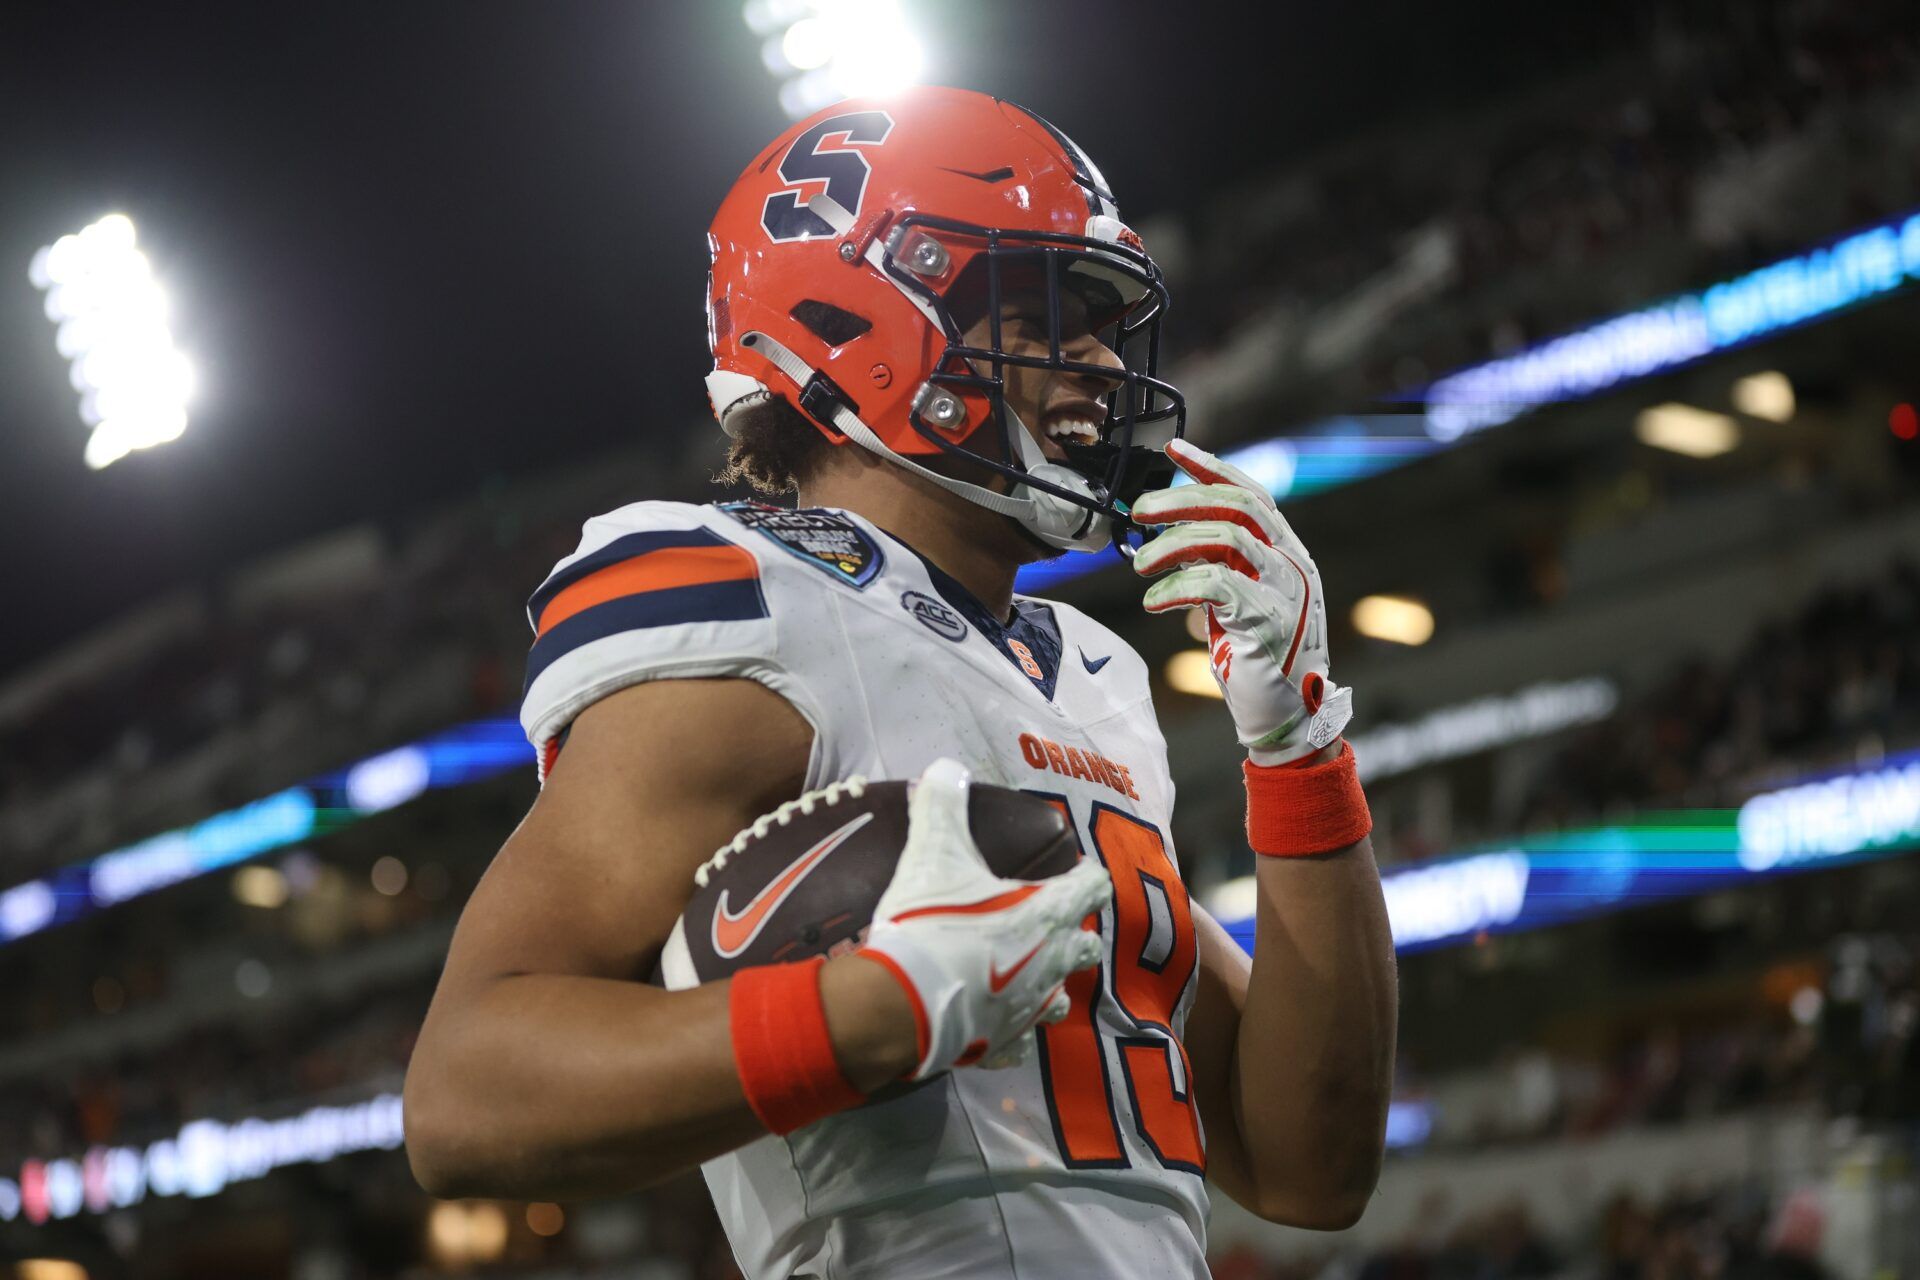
x=112, y=318
x=49, y=1269
x=1396, y=619
x=1765, y=395
x=1190, y=671
x=826, y=50
x=807, y=44
x=259, y=886
x=1681, y=428
x=465, y=1232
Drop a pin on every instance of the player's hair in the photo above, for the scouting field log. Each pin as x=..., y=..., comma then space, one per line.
x=774, y=448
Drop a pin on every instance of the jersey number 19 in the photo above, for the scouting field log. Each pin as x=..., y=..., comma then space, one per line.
x=1153, y=957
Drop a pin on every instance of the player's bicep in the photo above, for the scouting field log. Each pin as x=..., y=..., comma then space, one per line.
x=653, y=779
x=1212, y=1032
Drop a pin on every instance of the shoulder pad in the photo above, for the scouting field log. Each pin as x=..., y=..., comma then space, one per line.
x=654, y=587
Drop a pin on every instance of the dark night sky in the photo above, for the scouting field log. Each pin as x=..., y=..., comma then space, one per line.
x=415, y=245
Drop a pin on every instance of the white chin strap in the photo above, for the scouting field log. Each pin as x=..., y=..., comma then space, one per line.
x=1047, y=516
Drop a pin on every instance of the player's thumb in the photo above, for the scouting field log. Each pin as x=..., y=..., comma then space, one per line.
x=937, y=817
x=1205, y=468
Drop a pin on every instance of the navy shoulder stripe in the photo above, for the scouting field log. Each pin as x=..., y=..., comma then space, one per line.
x=624, y=547
x=737, y=600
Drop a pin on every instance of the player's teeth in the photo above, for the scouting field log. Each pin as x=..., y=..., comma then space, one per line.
x=1075, y=429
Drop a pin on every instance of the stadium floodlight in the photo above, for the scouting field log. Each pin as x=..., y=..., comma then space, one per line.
x=1190, y=671
x=260, y=886
x=1396, y=619
x=49, y=1269
x=466, y=1232
x=1765, y=395
x=826, y=50
x=1681, y=428
x=112, y=318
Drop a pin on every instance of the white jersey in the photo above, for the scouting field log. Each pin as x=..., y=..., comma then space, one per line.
x=1088, y=1160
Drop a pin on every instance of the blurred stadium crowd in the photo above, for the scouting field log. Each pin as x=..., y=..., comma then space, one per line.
x=1628, y=184
x=1854, y=1052
x=1479, y=234
x=1834, y=682
x=1849, y=1044
x=1838, y=681
x=1732, y=1231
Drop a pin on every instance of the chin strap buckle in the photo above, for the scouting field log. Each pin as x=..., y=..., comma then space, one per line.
x=822, y=399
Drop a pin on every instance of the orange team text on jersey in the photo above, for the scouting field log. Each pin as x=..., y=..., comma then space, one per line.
x=1046, y=754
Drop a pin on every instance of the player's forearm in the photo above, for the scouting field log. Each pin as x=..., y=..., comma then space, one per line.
x=541, y=1086
x=1313, y=1060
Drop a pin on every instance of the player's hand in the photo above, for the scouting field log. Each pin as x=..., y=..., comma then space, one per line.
x=983, y=959
x=1235, y=556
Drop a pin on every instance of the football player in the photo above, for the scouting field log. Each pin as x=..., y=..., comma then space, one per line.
x=929, y=322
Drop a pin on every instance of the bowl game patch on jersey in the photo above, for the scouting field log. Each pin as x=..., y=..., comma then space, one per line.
x=824, y=538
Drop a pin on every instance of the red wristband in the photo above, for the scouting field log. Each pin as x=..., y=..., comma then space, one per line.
x=781, y=1047
x=1294, y=810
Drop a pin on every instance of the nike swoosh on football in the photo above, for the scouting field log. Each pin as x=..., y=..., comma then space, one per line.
x=997, y=981
x=734, y=933
x=1093, y=665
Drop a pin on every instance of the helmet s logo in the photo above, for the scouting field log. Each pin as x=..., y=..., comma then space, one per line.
x=823, y=161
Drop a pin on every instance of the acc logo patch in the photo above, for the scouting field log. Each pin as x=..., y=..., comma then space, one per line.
x=824, y=159
x=934, y=616
x=825, y=539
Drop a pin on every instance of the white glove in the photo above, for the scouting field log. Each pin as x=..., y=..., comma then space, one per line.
x=982, y=958
x=1266, y=613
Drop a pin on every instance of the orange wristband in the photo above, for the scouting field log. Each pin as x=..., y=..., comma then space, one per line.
x=781, y=1047
x=1294, y=810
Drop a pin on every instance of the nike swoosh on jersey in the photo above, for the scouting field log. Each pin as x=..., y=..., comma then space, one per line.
x=997, y=981
x=1093, y=665
x=734, y=933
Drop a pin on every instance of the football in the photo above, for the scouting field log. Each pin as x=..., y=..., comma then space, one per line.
x=803, y=880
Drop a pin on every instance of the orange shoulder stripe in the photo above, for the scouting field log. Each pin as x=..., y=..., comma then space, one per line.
x=653, y=571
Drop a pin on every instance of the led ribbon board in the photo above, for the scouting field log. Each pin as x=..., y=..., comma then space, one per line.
x=1792, y=292
x=202, y=1159
x=1831, y=819
x=465, y=754
x=1870, y=263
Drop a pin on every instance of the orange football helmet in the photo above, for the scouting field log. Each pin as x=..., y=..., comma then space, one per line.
x=851, y=254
